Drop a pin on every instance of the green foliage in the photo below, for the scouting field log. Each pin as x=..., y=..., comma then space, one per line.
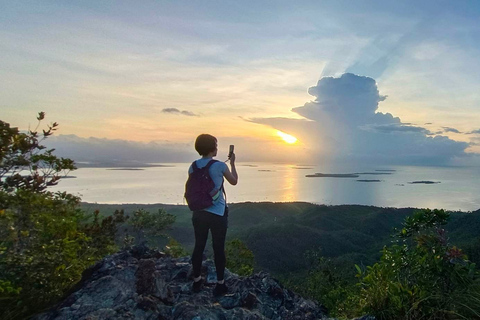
x=46, y=241
x=175, y=249
x=472, y=250
x=421, y=276
x=25, y=163
x=103, y=230
x=240, y=259
x=328, y=280
x=280, y=233
x=7, y=289
x=152, y=223
x=149, y=227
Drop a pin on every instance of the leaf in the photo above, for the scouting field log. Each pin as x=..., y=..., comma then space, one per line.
x=41, y=116
x=358, y=269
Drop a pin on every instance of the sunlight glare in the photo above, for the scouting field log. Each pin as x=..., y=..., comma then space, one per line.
x=286, y=137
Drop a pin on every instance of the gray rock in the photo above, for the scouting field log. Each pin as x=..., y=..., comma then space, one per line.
x=146, y=284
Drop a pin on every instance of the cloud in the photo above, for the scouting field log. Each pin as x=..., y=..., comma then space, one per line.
x=119, y=152
x=343, y=124
x=350, y=97
x=474, y=132
x=182, y=112
x=448, y=129
x=97, y=152
x=400, y=127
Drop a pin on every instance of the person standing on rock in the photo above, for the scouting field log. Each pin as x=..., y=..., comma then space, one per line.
x=213, y=217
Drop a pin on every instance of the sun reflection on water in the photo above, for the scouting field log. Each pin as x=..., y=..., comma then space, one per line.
x=289, y=185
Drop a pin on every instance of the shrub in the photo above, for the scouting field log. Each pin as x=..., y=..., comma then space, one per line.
x=240, y=259
x=175, y=249
x=421, y=276
x=330, y=281
x=150, y=227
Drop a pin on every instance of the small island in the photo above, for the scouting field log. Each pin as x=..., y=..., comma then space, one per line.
x=374, y=173
x=424, y=182
x=122, y=164
x=332, y=175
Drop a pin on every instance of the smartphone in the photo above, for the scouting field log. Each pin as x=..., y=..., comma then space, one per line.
x=230, y=151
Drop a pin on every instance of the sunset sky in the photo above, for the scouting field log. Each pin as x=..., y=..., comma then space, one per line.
x=394, y=81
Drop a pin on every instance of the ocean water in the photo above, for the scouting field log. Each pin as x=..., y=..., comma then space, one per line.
x=451, y=188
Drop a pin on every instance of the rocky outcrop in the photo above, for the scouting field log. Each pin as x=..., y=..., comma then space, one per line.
x=146, y=284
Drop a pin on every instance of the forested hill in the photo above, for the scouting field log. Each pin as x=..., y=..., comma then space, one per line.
x=280, y=234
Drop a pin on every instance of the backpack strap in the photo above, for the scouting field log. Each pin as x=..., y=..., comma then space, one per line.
x=209, y=164
x=194, y=165
x=223, y=189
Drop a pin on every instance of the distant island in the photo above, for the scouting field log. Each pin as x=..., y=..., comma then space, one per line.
x=332, y=175
x=128, y=169
x=373, y=173
x=368, y=180
x=349, y=175
x=120, y=164
x=424, y=182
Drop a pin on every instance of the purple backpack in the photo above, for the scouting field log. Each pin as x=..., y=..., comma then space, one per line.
x=199, y=187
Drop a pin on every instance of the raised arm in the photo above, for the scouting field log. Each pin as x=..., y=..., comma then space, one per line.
x=231, y=176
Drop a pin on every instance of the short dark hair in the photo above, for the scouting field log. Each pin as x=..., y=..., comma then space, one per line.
x=205, y=143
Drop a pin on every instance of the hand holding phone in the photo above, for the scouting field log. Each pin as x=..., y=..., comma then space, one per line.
x=230, y=151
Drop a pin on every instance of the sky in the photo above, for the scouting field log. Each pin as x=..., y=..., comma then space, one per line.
x=393, y=82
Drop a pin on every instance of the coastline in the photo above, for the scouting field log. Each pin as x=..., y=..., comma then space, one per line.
x=184, y=207
x=270, y=182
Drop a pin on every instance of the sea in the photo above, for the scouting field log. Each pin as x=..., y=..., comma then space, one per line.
x=450, y=188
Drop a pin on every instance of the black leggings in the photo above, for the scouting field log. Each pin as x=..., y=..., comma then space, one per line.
x=202, y=222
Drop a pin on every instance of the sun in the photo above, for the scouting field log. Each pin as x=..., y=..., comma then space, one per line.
x=286, y=137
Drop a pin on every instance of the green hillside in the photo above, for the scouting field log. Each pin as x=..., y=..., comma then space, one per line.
x=279, y=234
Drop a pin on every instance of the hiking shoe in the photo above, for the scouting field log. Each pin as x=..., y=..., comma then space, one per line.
x=220, y=289
x=197, y=286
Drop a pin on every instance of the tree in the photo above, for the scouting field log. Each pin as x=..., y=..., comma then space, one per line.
x=421, y=276
x=25, y=164
x=46, y=241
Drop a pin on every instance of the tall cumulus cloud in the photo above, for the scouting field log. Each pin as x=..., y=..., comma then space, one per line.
x=342, y=123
